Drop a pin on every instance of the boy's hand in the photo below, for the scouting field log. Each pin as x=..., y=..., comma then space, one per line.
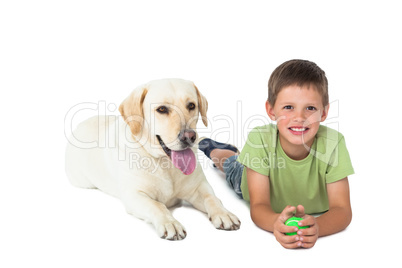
x=305, y=238
x=308, y=236
x=280, y=229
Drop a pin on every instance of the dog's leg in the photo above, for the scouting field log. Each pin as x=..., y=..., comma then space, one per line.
x=144, y=207
x=205, y=200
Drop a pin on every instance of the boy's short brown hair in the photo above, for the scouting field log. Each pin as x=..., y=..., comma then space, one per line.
x=301, y=73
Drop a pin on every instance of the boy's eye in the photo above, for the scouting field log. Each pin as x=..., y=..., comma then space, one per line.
x=311, y=108
x=288, y=107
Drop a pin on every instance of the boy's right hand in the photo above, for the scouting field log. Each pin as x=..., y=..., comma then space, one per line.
x=280, y=229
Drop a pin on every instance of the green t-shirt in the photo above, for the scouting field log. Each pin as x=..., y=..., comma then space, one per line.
x=296, y=182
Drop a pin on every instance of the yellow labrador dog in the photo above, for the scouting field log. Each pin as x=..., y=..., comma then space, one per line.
x=146, y=157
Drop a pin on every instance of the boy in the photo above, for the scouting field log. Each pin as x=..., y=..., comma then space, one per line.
x=296, y=165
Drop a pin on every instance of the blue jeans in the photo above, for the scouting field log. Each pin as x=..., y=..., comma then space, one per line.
x=234, y=171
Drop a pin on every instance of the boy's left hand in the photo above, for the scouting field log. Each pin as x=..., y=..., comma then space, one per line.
x=308, y=236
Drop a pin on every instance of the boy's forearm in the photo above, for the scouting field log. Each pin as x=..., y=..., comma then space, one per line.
x=334, y=220
x=264, y=217
x=331, y=222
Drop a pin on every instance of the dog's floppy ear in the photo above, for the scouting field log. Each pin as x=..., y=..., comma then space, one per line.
x=203, y=106
x=131, y=109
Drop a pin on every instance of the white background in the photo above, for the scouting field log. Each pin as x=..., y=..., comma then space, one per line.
x=56, y=54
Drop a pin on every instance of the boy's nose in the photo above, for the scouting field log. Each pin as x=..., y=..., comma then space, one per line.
x=299, y=116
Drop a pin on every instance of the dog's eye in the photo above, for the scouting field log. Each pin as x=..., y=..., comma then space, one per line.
x=191, y=106
x=163, y=110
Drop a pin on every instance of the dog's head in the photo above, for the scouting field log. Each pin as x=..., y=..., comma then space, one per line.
x=164, y=114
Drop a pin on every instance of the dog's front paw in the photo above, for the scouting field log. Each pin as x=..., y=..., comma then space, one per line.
x=225, y=221
x=171, y=230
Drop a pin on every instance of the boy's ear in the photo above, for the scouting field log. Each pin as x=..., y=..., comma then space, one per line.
x=270, y=111
x=325, y=113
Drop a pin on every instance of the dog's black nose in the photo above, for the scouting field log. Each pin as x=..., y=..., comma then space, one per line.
x=187, y=137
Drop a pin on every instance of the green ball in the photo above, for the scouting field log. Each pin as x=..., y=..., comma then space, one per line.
x=294, y=221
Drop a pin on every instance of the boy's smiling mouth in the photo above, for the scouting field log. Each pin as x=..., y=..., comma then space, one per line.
x=297, y=130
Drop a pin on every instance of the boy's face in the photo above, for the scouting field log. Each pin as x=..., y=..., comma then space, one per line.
x=298, y=112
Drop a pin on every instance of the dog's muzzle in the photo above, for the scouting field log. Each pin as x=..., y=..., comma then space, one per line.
x=183, y=159
x=187, y=137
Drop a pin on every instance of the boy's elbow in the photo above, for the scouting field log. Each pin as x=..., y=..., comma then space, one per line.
x=347, y=218
x=263, y=216
x=253, y=214
x=256, y=218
